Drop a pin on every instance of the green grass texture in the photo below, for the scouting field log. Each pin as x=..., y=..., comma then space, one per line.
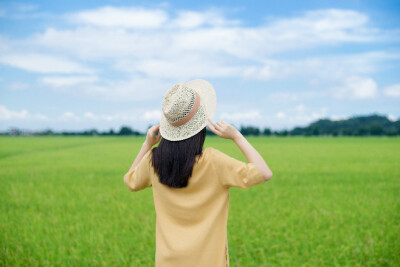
x=330, y=202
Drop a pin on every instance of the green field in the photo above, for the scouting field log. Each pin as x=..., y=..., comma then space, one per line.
x=331, y=202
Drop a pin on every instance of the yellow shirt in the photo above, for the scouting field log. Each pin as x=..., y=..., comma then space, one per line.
x=191, y=222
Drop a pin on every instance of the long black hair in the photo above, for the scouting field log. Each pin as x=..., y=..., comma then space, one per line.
x=173, y=160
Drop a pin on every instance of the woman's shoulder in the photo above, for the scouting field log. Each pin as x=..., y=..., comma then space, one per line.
x=214, y=152
x=209, y=150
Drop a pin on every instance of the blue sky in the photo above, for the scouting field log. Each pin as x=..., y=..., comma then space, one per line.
x=74, y=65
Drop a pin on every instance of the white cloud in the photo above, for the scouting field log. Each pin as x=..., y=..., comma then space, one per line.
x=40, y=116
x=199, y=44
x=291, y=117
x=392, y=91
x=317, y=115
x=69, y=115
x=181, y=35
x=392, y=117
x=356, y=87
x=281, y=115
x=178, y=69
x=90, y=115
x=338, y=117
x=134, y=90
x=41, y=63
x=241, y=116
x=283, y=96
x=6, y=114
x=300, y=108
x=126, y=17
x=193, y=19
x=152, y=115
x=157, y=47
x=18, y=86
x=61, y=81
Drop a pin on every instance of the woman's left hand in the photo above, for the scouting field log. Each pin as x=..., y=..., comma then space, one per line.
x=151, y=138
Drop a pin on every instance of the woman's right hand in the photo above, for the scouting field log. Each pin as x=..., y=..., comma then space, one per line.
x=224, y=130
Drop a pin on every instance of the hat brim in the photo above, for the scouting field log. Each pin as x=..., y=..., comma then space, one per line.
x=208, y=103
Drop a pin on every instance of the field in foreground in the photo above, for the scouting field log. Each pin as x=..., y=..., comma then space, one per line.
x=331, y=202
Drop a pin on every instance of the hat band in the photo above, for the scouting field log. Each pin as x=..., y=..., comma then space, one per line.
x=190, y=115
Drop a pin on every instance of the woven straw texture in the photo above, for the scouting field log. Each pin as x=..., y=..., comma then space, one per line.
x=178, y=102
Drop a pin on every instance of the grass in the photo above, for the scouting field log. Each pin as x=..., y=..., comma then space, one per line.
x=331, y=202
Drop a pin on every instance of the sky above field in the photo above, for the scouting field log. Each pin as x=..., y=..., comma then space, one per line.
x=74, y=65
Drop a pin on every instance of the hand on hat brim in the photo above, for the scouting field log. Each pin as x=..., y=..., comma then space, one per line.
x=224, y=130
x=217, y=127
x=151, y=137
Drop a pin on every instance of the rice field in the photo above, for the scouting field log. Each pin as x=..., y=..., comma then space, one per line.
x=331, y=202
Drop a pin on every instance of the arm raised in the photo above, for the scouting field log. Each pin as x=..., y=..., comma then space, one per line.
x=227, y=131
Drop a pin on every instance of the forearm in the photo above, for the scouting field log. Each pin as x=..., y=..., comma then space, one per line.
x=252, y=155
x=145, y=148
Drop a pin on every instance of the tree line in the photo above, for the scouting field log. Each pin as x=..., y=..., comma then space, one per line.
x=370, y=125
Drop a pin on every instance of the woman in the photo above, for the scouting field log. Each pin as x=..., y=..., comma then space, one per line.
x=191, y=185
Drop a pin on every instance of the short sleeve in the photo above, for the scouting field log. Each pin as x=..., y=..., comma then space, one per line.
x=139, y=177
x=235, y=173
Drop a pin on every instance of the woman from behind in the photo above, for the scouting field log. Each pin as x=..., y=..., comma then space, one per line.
x=191, y=185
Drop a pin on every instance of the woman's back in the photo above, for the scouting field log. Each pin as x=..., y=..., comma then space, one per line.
x=191, y=225
x=191, y=186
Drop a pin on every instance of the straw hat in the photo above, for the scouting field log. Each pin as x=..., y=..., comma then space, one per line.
x=186, y=107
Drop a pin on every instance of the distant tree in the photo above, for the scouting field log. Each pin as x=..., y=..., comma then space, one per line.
x=315, y=131
x=376, y=129
x=362, y=131
x=249, y=130
x=67, y=133
x=297, y=131
x=90, y=132
x=267, y=131
x=307, y=131
x=355, y=126
x=282, y=133
x=347, y=131
x=46, y=132
x=125, y=130
x=391, y=132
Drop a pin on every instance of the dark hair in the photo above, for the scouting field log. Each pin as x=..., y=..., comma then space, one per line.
x=173, y=160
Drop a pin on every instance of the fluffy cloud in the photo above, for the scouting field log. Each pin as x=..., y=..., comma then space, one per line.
x=158, y=47
x=193, y=19
x=338, y=117
x=42, y=63
x=64, y=81
x=7, y=115
x=183, y=33
x=72, y=117
x=18, y=86
x=134, y=54
x=251, y=115
x=392, y=91
x=356, y=87
x=126, y=17
x=113, y=33
x=153, y=115
x=281, y=115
